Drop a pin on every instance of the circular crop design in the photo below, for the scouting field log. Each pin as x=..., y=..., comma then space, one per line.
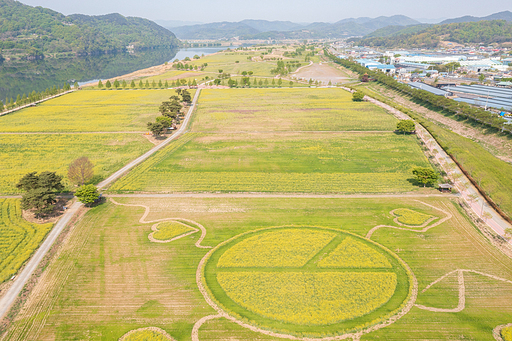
x=306, y=281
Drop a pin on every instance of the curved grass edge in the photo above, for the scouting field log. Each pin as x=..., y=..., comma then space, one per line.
x=383, y=321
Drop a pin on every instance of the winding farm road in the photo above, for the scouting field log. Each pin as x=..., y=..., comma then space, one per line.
x=21, y=279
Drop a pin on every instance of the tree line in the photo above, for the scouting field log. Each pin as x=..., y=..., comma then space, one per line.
x=34, y=96
x=458, y=109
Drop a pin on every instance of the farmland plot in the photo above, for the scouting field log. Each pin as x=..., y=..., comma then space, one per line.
x=263, y=110
x=297, y=162
x=89, y=111
x=18, y=238
x=21, y=154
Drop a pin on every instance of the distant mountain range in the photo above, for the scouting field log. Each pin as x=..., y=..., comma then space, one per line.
x=506, y=15
x=263, y=29
x=350, y=27
x=34, y=32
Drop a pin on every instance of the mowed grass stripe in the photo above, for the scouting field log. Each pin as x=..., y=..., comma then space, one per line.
x=299, y=162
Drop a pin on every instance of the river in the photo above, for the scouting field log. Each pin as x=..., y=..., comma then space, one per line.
x=23, y=77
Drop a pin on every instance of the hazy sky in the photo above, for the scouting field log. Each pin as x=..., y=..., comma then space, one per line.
x=293, y=10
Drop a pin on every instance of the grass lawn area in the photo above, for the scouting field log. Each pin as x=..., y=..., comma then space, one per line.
x=110, y=279
x=21, y=154
x=287, y=110
x=281, y=162
x=91, y=111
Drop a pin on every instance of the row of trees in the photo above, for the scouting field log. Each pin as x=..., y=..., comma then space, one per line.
x=34, y=97
x=171, y=111
x=247, y=82
x=456, y=108
x=145, y=85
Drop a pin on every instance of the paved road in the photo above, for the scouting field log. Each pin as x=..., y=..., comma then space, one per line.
x=12, y=293
x=272, y=195
x=8, y=299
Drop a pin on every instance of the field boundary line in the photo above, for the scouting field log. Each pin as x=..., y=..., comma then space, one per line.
x=462, y=290
x=143, y=220
x=272, y=195
x=183, y=128
x=425, y=229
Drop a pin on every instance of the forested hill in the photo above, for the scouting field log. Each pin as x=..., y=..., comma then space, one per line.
x=485, y=32
x=32, y=32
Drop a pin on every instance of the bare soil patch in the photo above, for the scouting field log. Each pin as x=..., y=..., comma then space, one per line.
x=324, y=73
x=51, y=218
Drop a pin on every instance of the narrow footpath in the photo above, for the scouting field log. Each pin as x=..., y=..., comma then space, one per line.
x=21, y=279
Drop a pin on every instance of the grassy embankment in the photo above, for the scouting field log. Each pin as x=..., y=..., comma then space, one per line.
x=490, y=173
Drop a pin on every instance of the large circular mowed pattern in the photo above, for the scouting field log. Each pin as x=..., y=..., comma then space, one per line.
x=306, y=281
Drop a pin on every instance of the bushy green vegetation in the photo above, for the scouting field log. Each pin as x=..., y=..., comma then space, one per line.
x=36, y=31
x=18, y=238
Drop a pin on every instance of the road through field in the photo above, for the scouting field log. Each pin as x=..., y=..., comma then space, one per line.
x=12, y=293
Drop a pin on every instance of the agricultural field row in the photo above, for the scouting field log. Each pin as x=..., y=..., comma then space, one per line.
x=18, y=238
x=21, y=154
x=266, y=110
x=299, y=162
x=288, y=297
x=89, y=111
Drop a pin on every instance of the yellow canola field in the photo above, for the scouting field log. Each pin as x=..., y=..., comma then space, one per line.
x=506, y=333
x=21, y=154
x=264, y=182
x=91, y=111
x=353, y=254
x=170, y=229
x=309, y=298
x=410, y=217
x=288, y=248
x=18, y=238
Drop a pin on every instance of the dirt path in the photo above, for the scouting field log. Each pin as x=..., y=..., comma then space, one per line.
x=425, y=229
x=147, y=211
x=324, y=73
x=10, y=296
x=462, y=290
x=277, y=195
x=153, y=329
x=499, y=146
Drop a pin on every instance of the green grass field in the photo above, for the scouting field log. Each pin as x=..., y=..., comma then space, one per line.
x=287, y=110
x=294, y=162
x=89, y=111
x=111, y=279
x=24, y=153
